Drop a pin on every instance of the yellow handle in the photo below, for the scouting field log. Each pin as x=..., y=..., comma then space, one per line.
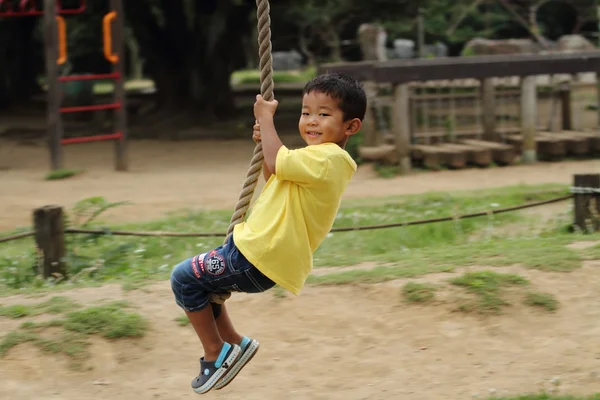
x=62, y=40
x=107, y=31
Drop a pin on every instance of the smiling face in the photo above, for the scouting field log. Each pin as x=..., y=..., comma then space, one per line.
x=322, y=121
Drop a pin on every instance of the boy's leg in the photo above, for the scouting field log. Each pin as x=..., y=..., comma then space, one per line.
x=205, y=326
x=225, y=327
x=249, y=346
x=190, y=294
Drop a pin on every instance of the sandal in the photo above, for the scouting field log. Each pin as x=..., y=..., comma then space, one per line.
x=212, y=371
x=249, y=347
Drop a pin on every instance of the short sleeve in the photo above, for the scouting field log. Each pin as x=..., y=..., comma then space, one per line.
x=303, y=166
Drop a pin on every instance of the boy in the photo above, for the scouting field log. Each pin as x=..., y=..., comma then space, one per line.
x=289, y=220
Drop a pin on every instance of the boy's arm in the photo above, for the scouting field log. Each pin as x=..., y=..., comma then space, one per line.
x=270, y=141
x=256, y=136
x=266, y=172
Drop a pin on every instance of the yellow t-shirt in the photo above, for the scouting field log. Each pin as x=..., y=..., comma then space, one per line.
x=295, y=212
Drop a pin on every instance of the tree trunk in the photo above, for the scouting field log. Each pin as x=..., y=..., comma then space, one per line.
x=191, y=64
x=20, y=63
x=304, y=39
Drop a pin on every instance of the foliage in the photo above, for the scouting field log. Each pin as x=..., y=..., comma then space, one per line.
x=61, y=174
x=405, y=251
x=175, y=39
x=75, y=324
x=253, y=76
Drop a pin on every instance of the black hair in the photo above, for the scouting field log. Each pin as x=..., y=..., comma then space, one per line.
x=345, y=89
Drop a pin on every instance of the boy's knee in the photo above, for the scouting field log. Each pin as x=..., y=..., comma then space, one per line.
x=178, y=276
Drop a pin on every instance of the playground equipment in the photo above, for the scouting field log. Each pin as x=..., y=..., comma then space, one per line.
x=55, y=39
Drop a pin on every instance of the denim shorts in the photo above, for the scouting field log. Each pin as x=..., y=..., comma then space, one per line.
x=224, y=269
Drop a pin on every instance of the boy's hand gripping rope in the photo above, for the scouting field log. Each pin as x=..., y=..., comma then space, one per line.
x=266, y=90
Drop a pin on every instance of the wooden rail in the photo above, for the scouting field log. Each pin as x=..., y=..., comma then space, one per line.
x=477, y=67
x=401, y=75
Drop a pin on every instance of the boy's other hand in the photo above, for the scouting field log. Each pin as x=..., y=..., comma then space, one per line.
x=256, y=133
x=263, y=108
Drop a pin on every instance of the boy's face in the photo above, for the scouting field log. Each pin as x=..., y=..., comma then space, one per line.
x=322, y=121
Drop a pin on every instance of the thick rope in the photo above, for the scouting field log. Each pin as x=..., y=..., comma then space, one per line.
x=266, y=91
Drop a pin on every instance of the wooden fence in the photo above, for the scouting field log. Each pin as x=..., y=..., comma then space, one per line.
x=475, y=110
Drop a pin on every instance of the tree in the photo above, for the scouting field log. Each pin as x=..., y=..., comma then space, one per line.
x=21, y=61
x=191, y=48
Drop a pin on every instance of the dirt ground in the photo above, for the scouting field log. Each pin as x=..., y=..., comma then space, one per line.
x=351, y=342
x=166, y=176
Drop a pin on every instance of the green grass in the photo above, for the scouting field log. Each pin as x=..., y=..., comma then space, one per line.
x=547, y=253
x=418, y=292
x=56, y=305
x=110, y=321
x=500, y=240
x=546, y=301
x=107, y=87
x=487, y=286
x=61, y=174
x=182, y=320
x=242, y=77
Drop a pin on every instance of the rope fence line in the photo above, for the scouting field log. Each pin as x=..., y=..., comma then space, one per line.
x=17, y=236
x=348, y=229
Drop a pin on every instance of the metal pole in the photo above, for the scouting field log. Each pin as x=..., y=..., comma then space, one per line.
x=421, y=34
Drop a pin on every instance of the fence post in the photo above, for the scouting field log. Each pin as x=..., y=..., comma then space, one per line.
x=488, y=97
x=50, y=239
x=586, y=189
x=528, y=118
x=370, y=123
x=597, y=76
x=401, y=125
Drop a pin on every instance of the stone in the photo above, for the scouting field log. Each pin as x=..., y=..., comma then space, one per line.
x=287, y=60
x=372, y=39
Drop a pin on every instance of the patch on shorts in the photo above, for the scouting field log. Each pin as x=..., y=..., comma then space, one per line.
x=215, y=263
x=198, y=265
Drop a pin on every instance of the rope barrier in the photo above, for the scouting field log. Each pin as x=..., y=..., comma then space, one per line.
x=488, y=213
x=18, y=236
x=584, y=190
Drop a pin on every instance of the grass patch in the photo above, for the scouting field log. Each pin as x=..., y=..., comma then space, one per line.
x=408, y=251
x=15, y=338
x=106, y=86
x=418, y=292
x=487, y=287
x=109, y=321
x=279, y=292
x=182, y=320
x=387, y=171
x=55, y=305
x=243, y=77
x=543, y=300
x=546, y=253
x=61, y=174
x=591, y=253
